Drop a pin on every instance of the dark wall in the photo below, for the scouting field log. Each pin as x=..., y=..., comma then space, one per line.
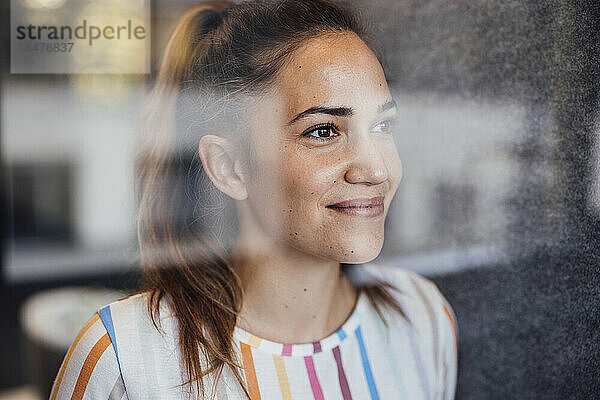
x=530, y=329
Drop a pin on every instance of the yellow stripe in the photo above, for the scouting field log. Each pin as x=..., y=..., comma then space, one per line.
x=63, y=367
x=284, y=385
x=254, y=341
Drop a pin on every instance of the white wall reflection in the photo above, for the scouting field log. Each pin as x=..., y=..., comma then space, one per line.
x=50, y=123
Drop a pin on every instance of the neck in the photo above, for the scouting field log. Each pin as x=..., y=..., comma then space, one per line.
x=289, y=296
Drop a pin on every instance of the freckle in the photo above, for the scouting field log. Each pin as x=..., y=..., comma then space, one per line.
x=331, y=247
x=305, y=289
x=294, y=297
x=286, y=306
x=314, y=316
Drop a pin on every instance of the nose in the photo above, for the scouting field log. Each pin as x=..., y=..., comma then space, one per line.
x=367, y=164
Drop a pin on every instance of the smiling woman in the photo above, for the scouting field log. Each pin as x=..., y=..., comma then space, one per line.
x=290, y=117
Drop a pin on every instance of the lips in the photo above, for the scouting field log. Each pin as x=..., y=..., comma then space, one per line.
x=363, y=207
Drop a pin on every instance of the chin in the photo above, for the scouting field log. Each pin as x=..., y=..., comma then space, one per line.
x=360, y=254
x=358, y=247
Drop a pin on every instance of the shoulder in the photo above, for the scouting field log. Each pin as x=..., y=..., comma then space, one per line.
x=431, y=319
x=131, y=316
x=90, y=368
x=118, y=351
x=133, y=331
x=146, y=349
x=420, y=298
x=412, y=286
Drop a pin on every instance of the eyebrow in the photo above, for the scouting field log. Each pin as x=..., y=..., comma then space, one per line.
x=339, y=111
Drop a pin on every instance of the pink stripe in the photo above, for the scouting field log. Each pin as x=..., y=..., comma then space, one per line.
x=287, y=350
x=312, y=377
x=317, y=347
x=341, y=374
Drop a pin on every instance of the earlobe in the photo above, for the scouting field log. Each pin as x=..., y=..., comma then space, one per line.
x=222, y=165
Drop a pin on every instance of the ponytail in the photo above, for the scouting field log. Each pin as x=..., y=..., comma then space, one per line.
x=186, y=266
x=190, y=40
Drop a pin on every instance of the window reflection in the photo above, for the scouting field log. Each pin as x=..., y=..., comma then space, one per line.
x=497, y=131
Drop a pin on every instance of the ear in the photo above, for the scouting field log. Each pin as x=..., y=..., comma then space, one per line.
x=223, y=166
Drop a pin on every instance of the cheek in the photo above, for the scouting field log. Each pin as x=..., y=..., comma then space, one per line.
x=305, y=179
x=288, y=189
x=394, y=165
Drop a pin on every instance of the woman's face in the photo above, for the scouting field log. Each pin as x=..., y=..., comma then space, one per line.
x=325, y=162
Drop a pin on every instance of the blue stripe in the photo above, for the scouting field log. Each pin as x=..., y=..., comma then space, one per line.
x=106, y=318
x=340, y=332
x=366, y=365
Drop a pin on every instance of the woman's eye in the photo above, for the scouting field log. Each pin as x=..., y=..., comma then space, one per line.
x=323, y=133
x=384, y=126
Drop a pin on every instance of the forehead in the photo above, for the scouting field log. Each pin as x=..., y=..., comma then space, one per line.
x=336, y=69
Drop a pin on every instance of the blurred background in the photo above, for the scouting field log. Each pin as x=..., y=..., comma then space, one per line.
x=499, y=134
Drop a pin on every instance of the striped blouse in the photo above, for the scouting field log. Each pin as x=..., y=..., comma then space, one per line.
x=119, y=354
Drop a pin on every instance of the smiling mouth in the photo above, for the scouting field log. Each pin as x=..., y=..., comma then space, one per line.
x=363, y=207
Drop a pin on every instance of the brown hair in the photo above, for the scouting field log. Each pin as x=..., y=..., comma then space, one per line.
x=218, y=51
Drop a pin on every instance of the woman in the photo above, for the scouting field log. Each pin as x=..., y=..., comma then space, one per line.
x=290, y=116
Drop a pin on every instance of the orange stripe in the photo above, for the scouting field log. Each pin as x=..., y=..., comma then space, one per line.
x=251, y=380
x=449, y=314
x=88, y=366
x=63, y=367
